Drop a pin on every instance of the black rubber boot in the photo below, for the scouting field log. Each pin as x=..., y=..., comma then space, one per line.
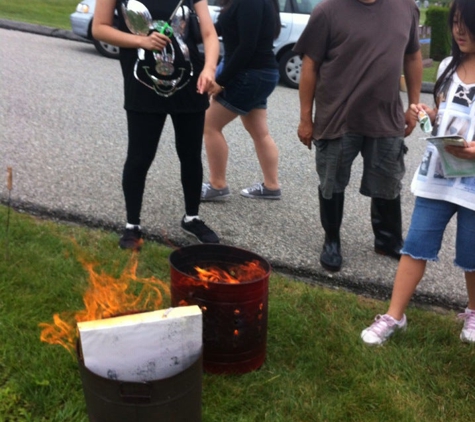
x=387, y=226
x=331, y=215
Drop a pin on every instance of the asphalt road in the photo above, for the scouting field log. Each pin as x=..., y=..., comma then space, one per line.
x=63, y=132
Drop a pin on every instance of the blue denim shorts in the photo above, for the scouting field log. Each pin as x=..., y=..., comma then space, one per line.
x=383, y=164
x=248, y=90
x=429, y=219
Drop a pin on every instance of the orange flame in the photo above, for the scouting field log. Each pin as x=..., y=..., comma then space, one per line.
x=105, y=297
x=235, y=274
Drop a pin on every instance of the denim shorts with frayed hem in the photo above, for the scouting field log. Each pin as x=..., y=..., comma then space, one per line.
x=429, y=220
x=248, y=90
x=383, y=164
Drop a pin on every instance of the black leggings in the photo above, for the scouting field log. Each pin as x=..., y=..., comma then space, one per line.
x=144, y=134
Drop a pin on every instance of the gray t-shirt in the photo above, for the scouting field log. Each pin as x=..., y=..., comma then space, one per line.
x=360, y=48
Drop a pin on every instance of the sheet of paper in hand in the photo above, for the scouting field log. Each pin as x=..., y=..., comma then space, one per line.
x=455, y=140
x=453, y=166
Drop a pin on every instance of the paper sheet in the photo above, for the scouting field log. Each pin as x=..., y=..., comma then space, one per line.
x=143, y=347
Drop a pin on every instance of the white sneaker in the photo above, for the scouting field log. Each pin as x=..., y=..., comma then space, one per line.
x=382, y=328
x=468, y=332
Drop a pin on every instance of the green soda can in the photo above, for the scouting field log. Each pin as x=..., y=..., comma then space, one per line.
x=424, y=121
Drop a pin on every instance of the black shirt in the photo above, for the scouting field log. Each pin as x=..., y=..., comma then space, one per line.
x=247, y=28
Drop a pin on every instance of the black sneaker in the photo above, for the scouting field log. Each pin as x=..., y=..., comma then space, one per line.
x=200, y=230
x=131, y=239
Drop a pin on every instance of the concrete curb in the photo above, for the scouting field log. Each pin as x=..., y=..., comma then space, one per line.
x=427, y=87
x=41, y=30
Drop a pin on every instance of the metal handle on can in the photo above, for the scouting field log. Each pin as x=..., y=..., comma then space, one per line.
x=132, y=392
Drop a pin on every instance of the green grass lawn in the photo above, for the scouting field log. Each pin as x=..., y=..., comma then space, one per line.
x=54, y=13
x=316, y=367
x=430, y=73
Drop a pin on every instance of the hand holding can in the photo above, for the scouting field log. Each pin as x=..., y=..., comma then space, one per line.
x=424, y=121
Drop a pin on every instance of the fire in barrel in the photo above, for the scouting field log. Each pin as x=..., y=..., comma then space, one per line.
x=230, y=285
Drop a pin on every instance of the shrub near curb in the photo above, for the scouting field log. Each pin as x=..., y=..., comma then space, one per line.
x=437, y=18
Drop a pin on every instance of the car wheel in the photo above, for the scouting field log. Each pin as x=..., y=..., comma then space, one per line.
x=106, y=49
x=290, y=65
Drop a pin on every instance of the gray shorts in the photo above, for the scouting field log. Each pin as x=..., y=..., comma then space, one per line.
x=383, y=164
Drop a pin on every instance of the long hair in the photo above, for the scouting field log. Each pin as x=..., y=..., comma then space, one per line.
x=225, y=4
x=465, y=9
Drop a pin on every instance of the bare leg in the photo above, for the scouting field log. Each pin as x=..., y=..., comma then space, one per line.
x=267, y=153
x=470, y=281
x=408, y=276
x=217, y=117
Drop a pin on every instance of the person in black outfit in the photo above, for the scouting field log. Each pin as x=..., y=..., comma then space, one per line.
x=248, y=77
x=154, y=89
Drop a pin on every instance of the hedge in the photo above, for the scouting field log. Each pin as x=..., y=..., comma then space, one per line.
x=437, y=18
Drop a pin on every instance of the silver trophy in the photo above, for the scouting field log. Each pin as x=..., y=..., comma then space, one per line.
x=139, y=21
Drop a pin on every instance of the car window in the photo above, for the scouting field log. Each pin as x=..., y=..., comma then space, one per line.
x=282, y=4
x=299, y=6
x=305, y=6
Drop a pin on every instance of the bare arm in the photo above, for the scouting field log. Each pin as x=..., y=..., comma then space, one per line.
x=413, y=76
x=103, y=29
x=211, y=45
x=308, y=82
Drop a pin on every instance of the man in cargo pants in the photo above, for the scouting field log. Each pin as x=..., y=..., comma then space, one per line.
x=353, y=52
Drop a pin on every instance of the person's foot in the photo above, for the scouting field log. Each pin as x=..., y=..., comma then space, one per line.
x=383, y=327
x=131, y=239
x=468, y=332
x=208, y=193
x=199, y=230
x=259, y=191
x=392, y=253
x=330, y=257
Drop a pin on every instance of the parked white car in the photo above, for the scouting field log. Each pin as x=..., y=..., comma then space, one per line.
x=294, y=15
x=81, y=24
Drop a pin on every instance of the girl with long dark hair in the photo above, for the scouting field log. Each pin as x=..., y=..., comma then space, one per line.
x=442, y=190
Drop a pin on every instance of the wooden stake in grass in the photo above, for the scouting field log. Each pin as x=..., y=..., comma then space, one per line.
x=9, y=187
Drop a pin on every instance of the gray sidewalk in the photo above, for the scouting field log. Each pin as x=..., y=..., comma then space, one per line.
x=63, y=132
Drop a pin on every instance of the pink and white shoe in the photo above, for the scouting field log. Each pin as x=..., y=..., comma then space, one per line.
x=382, y=328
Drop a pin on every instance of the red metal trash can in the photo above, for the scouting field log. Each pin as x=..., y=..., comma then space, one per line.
x=234, y=315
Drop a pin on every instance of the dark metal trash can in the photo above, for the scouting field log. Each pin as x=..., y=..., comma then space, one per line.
x=174, y=399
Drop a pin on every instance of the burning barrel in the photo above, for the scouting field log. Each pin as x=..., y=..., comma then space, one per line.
x=230, y=285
